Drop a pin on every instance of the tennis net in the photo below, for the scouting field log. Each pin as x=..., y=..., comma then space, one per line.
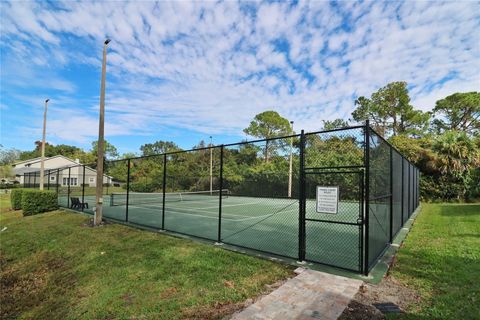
x=136, y=198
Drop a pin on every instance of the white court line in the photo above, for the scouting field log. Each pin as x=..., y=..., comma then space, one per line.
x=234, y=205
x=210, y=217
x=191, y=214
x=195, y=210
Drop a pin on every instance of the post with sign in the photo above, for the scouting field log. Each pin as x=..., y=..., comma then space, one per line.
x=327, y=199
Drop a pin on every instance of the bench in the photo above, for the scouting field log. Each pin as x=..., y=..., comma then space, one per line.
x=76, y=203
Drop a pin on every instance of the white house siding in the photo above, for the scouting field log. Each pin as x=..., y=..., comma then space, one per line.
x=51, y=165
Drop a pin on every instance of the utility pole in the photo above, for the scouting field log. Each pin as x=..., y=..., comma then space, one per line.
x=42, y=162
x=211, y=166
x=100, y=145
x=290, y=165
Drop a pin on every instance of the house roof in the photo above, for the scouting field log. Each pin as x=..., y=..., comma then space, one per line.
x=38, y=159
x=29, y=160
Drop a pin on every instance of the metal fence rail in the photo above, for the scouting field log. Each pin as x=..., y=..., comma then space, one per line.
x=261, y=194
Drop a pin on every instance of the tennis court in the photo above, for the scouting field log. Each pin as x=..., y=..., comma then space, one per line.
x=264, y=224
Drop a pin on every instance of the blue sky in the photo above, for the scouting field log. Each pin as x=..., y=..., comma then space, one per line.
x=183, y=71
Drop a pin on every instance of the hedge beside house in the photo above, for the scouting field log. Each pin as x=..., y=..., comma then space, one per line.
x=37, y=201
x=16, y=199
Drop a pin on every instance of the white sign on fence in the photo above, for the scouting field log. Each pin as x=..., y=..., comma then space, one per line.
x=327, y=199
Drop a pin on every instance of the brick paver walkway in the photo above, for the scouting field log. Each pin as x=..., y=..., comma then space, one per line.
x=311, y=295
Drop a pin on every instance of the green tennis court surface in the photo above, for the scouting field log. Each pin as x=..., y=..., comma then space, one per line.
x=264, y=224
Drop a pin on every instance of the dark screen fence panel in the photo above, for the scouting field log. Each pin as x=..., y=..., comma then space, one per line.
x=259, y=212
x=63, y=193
x=145, y=190
x=191, y=205
x=418, y=187
x=414, y=189
x=397, y=172
x=410, y=190
x=405, y=194
x=89, y=181
x=114, y=182
x=380, y=197
x=74, y=183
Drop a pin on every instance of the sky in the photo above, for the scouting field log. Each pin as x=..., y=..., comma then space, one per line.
x=183, y=71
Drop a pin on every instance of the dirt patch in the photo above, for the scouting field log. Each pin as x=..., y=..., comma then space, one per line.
x=25, y=285
x=218, y=310
x=90, y=223
x=223, y=310
x=388, y=290
x=168, y=293
x=127, y=299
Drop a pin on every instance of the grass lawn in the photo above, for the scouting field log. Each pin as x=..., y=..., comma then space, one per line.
x=53, y=266
x=440, y=260
x=4, y=202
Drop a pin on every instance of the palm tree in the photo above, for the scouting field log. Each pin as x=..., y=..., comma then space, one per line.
x=456, y=155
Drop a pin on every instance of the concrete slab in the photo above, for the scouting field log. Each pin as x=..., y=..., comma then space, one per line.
x=311, y=295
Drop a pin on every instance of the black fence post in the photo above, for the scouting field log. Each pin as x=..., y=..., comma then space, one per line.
x=128, y=190
x=219, y=238
x=68, y=188
x=83, y=188
x=391, y=194
x=367, y=194
x=48, y=180
x=301, y=201
x=164, y=186
x=58, y=182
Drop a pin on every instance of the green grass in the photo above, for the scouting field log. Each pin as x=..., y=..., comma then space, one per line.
x=53, y=266
x=440, y=259
x=4, y=202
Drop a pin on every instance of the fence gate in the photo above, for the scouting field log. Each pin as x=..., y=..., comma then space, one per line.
x=333, y=216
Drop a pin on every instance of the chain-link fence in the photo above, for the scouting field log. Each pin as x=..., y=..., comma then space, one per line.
x=261, y=211
x=336, y=197
x=335, y=159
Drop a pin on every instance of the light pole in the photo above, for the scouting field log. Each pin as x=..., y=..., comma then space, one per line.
x=211, y=166
x=100, y=145
x=290, y=165
x=42, y=162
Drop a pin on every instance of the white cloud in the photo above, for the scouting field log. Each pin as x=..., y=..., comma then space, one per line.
x=210, y=67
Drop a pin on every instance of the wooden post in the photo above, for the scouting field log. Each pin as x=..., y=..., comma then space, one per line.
x=42, y=162
x=100, y=152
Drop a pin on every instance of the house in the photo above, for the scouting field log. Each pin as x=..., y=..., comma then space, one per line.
x=58, y=169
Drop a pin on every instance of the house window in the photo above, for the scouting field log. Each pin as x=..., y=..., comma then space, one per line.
x=52, y=178
x=91, y=179
x=73, y=181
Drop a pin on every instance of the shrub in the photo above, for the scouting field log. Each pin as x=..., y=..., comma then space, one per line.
x=16, y=199
x=37, y=201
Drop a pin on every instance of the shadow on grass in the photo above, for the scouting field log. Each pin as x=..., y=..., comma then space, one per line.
x=455, y=209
